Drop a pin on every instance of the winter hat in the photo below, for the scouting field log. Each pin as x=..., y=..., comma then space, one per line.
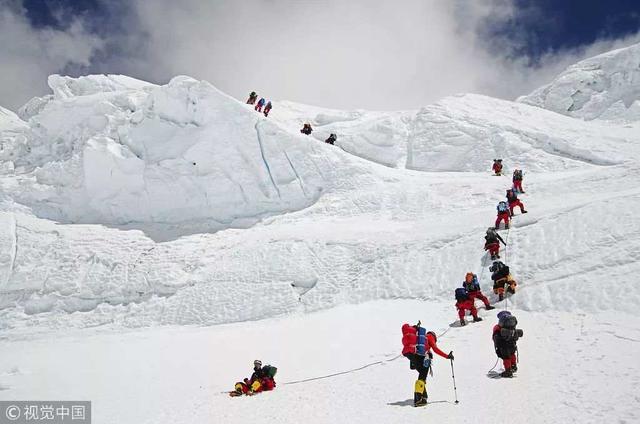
x=257, y=362
x=503, y=314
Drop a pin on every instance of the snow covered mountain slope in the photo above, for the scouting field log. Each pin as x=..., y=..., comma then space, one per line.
x=277, y=246
x=606, y=86
x=173, y=160
x=125, y=156
x=458, y=133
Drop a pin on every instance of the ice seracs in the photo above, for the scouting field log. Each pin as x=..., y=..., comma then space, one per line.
x=606, y=86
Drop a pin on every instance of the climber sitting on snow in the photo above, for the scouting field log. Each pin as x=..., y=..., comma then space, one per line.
x=464, y=303
x=497, y=166
x=261, y=380
x=472, y=285
x=501, y=277
x=517, y=181
x=492, y=242
x=512, y=198
x=306, y=129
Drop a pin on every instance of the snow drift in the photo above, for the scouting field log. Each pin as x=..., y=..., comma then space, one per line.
x=602, y=87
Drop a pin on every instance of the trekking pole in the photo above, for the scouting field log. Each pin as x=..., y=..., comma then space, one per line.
x=453, y=376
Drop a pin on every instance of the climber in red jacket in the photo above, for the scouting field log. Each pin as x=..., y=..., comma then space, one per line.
x=416, y=347
x=497, y=166
x=512, y=198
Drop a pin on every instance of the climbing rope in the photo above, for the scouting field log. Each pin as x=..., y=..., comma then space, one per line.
x=335, y=374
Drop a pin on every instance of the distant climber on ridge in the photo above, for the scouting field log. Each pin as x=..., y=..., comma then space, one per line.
x=517, y=181
x=306, y=129
x=252, y=98
x=472, y=285
x=505, y=337
x=497, y=166
x=464, y=302
x=332, y=139
x=261, y=102
x=260, y=381
x=492, y=242
x=416, y=347
x=512, y=198
x=268, y=108
x=503, y=215
x=501, y=277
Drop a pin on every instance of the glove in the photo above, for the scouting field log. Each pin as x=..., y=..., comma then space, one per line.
x=450, y=355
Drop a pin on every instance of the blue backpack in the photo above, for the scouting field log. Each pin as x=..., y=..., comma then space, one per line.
x=421, y=341
x=462, y=294
x=503, y=207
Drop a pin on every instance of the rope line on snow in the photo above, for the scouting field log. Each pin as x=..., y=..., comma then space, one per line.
x=335, y=374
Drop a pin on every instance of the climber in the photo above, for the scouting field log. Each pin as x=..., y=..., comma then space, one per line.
x=501, y=277
x=261, y=102
x=472, y=285
x=505, y=337
x=512, y=198
x=503, y=215
x=517, y=181
x=497, y=166
x=252, y=98
x=332, y=139
x=306, y=129
x=416, y=347
x=492, y=242
x=268, y=108
x=261, y=380
x=464, y=303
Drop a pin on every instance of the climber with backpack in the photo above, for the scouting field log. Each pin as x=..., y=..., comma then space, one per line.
x=261, y=103
x=503, y=215
x=512, y=198
x=472, y=285
x=464, y=302
x=517, y=181
x=306, y=129
x=501, y=277
x=252, y=98
x=261, y=380
x=332, y=139
x=267, y=108
x=417, y=343
x=497, y=167
x=492, y=242
x=505, y=338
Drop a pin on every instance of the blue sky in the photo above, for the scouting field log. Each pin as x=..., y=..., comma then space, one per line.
x=372, y=54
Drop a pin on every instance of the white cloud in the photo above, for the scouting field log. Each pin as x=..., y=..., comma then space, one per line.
x=373, y=54
x=28, y=56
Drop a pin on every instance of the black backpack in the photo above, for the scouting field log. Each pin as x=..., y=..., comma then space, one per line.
x=508, y=330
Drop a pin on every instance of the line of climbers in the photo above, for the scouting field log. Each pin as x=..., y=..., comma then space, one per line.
x=306, y=128
x=417, y=342
x=261, y=103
